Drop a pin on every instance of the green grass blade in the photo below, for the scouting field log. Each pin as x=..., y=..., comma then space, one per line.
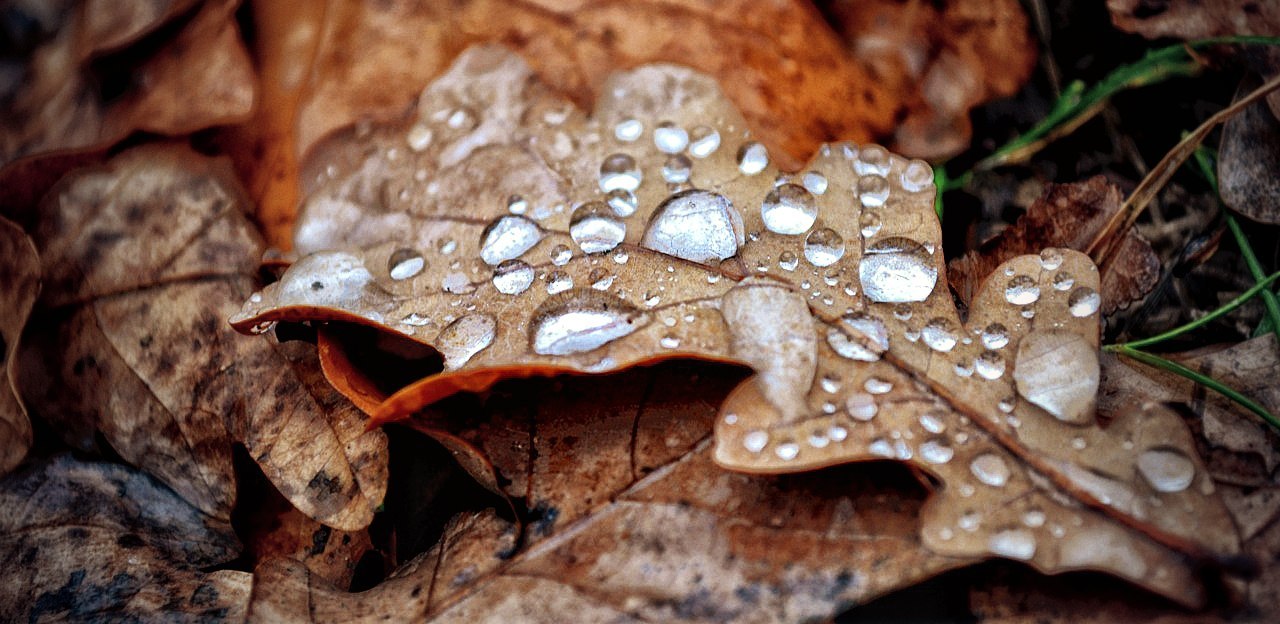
x=1200, y=378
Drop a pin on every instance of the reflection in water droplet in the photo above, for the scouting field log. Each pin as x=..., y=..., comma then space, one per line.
x=752, y=158
x=788, y=261
x=1063, y=281
x=507, y=238
x=1013, y=543
x=936, y=452
x=872, y=190
x=1083, y=302
x=861, y=406
x=755, y=441
x=1022, y=290
x=787, y=451
x=595, y=228
x=677, y=169
x=995, y=336
x=699, y=226
x=1050, y=259
x=463, y=338
x=917, y=176
x=872, y=160
x=703, y=141
x=670, y=138
x=1167, y=469
x=939, y=335
x=990, y=365
x=558, y=281
x=897, y=269
x=512, y=277
x=628, y=130
x=870, y=223
x=579, y=321
x=789, y=209
x=405, y=263
x=619, y=171
x=561, y=255
x=823, y=247
x=622, y=201
x=990, y=469
x=814, y=182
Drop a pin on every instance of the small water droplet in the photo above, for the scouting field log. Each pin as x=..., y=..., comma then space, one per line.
x=1083, y=302
x=819, y=439
x=601, y=279
x=1167, y=469
x=787, y=451
x=456, y=283
x=622, y=201
x=875, y=385
x=462, y=119
x=939, y=334
x=753, y=157
x=512, y=277
x=561, y=255
x=405, y=263
x=880, y=447
x=823, y=247
x=628, y=130
x=703, y=141
x=917, y=176
x=755, y=441
x=1006, y=404
x=872, y=160
x=621, y=256
x=619, y=171
x=931, y=423
x=1033, y=518
x=1050, y=259
x=936, y=452
x=558, y=281
x=872, y=190
x=669, y=341
x=990, y=469
x=699, y=226
x=990, y=365
x=830, y=384
x=902, y=311
x=1022, y=290
x=1013, y=543
x=861, y=406
x=508, y=237
x=580, y=321
x=517, y=205
x=870, y=223
x=595, y=228
x=897, y=269
x=652, y=298
x=837, y=433
x=462, y=339
x=788, y=261
x=1063, y=281
x=419, y=137
x=789, y=209
x=814, y=182
x=670, y=138
x=969, y=521
x=677, y=169
x=995, y=336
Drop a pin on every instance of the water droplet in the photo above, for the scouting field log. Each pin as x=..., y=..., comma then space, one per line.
x=512, y=277
x=1033, y=518
x=936, y=452
x=917, y=176
x=875, y=385
x=622, y=201
x=755, y=441
x=787, y=451
x=703, y=141
x=462, y=119
x=1167, y=469
x=456, y=283
x=788, y=261
x=1013, y=543
x=580, y=321
x=990, y=365
x=990, y=469
x=669, y=342
x=595, y=228
x=601, y=279
x=1006, y=404
x=652, y=298
x=837, y=433
x=789, y=209
x=819, y=439
x=1063, y=281
x=405, y=263
x=897, y=269
x=814, y=182
x=462, y=339
x=872, y=190
x=1050, y=259
x=1083, y=302
x=902, y=311
x=830, y=384
x=872, y=160
x=995, y=336
x=861, y=406
x=419, y=137
x=677, y=169
x=880, y=448
x=507, y=238
x=561, y=255
x=558, y=282
x=517, y=205
x=670, y=138
x=619, y=171
x=870, y=223
x=823, y=247
x=752, y=158
x=695, y=225
x=939, y=335
x=621, y=256
x=969, y=521
x=1022, y=290
x=932, y=424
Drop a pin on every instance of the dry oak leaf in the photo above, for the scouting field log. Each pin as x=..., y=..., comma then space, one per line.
x=89, y=541
x=520, y=237
x=1248, y=161
x=636, y=523
x=143, y=258
x=1067, y=215
x=19, y=287
x=778, y=60
x=1196, y=19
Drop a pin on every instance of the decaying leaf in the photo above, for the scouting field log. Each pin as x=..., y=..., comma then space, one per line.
x=19, y=287
x=1196, y=19
x=519, y=237
x=1067, y=215
x=143, y=258
x=635, y=522
x=1249, y=159
x=97, y=541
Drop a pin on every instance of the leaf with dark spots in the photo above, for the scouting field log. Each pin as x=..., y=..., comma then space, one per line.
x=132, y=343
x=19, y=287
x=1249, y=159
x=101, y=541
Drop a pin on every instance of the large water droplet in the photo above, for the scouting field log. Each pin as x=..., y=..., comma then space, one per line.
x=1083, y=302
x=405, y=263
x=703, y=141
x=1022, y=290
x=670, y=138
x=939, y=334
x=507, y=238
x=579, y=321
x=789, y=209
x=1013, y=543
x=990, y=469
x=872, y=190
x=512, y=277
x=619, y=171
x=1167, y=469
x=462, y=339
x=595, y=228
x=897, y=269
x=1042, y=357
x=677, y=169
x=695, y=225
x=823, y=247
x=752, y=158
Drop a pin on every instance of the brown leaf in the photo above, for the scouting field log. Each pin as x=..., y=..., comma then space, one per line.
x=1067, y=215
x=60, y=106
x=95, y=541
x=635, y=521
x=20, y=285
x=1248, y=160
x=458, y=229
x=143, y=259
x=1195, y=19
x=108, y=25
x=940, y=60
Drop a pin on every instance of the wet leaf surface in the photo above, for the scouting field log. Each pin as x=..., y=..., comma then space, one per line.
x=20, y=285
x=143, y=259
x=658, y=228
x=91, y=541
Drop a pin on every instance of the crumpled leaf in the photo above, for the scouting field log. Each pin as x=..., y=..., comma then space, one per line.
x=93, y=541
x=779, y=61
x=1067, y=215
x=1195, y=19
x=60, y=106
x=143, y=258
x=945, y=58
x=1248, y=160
x=635, y=522
x=829, y=291
x=19, y=287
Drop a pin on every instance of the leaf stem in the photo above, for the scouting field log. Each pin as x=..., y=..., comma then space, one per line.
x=1200, y=378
